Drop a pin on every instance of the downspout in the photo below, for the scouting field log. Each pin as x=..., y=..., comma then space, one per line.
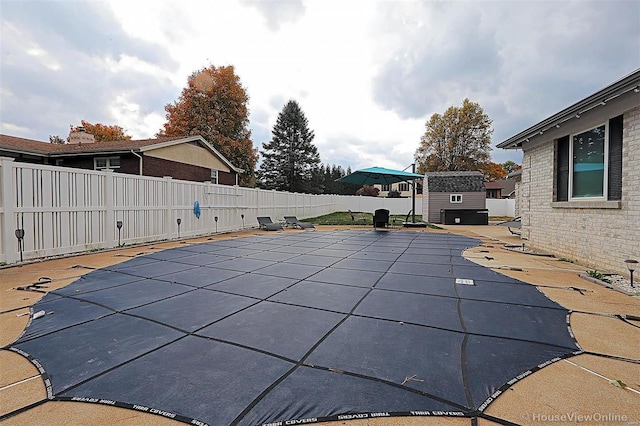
x=140, y=157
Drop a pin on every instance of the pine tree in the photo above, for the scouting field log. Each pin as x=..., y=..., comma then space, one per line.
x=290, y=160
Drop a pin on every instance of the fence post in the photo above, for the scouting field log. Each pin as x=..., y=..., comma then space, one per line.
x=9, y=241
x=109, y=202
x=168, y=207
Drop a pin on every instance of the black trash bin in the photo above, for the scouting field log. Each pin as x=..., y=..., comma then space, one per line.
x=464, y=216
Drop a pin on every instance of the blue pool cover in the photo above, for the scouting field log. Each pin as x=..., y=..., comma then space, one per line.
x=296, y=328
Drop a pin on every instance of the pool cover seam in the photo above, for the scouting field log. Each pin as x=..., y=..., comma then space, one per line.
x=501, y=389
x=301, y=362
x=463, y=347
x=57, y=397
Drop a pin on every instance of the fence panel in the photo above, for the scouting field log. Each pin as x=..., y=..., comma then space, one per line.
x=61, y=210
x=399, y=206
x=501, y=207
x=140, y=203
x=64, y=210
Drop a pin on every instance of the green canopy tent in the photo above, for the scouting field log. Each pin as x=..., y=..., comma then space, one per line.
x=382, y=176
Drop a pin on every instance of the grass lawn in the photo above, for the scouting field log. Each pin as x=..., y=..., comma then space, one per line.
x=344, y=218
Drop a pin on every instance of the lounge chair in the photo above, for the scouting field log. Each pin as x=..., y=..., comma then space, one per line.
x=267, y=224
x=358, y=217
x=295, y=223
x=381, y=218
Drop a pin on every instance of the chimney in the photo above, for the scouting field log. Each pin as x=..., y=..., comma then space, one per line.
x=80, y=136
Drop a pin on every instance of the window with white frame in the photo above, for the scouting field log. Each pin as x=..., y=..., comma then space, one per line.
x=588, y=168
x=214, y=176
x=588, y=164
x=403, y=186
x=455, y=198
x=104, y=163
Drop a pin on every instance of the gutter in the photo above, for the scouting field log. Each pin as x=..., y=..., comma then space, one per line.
x=140, y=157
x=621, y=87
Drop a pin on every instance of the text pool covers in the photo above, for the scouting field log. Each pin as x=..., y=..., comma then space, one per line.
x=296, y=326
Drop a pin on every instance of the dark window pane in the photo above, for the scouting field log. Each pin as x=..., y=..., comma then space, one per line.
x=588, y=163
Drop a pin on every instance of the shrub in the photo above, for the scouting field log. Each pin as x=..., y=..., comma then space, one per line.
x=368, y=191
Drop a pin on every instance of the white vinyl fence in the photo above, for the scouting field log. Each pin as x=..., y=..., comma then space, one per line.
x=501, y=207
x=64, y=210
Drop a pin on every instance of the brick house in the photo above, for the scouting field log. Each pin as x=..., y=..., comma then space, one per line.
x=188, y=158
x=579, y=194
x=404, y=188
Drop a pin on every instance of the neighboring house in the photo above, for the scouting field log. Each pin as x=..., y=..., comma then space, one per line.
x=188, y=158
x=404, y=188
x=503, y=188
x=579, y=195
x=452, y=191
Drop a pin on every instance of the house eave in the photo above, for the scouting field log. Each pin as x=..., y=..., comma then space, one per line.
x=198, y=138
x=91, y=153
x=624, y=87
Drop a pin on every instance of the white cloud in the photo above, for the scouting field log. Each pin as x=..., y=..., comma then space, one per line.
x=367, y=74
x=13, y=128
x=129, y=116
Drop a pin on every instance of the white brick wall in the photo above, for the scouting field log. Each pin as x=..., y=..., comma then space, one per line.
x=596, y=237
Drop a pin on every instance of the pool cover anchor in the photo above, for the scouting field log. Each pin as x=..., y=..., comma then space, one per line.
x=37, y=286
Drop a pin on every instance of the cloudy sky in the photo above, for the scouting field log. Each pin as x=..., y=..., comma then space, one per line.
x=367, y=74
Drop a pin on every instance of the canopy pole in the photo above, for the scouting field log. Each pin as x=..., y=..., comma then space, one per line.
x=413, y=195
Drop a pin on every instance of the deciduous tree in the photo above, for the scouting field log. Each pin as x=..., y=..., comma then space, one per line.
x=290, y=159
x=368, y=191
x=492, y=171
x=214, y=106
x=509, y=166
x=103, y=132
x=57, y=140
x=460, y=139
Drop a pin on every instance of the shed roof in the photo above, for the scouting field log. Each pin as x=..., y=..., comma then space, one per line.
x=462, y=181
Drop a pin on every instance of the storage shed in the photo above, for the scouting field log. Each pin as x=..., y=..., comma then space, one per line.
x=447, y=192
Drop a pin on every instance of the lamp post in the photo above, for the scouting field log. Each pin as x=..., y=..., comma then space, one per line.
x=632, y=264
x=20, y=237
x=216, y=219
x=242, y=216
x=119, y=225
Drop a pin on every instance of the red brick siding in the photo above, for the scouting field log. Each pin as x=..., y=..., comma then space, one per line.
x=151, y=166
x=128, y=163
x=159, y=167
x=226, y=178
